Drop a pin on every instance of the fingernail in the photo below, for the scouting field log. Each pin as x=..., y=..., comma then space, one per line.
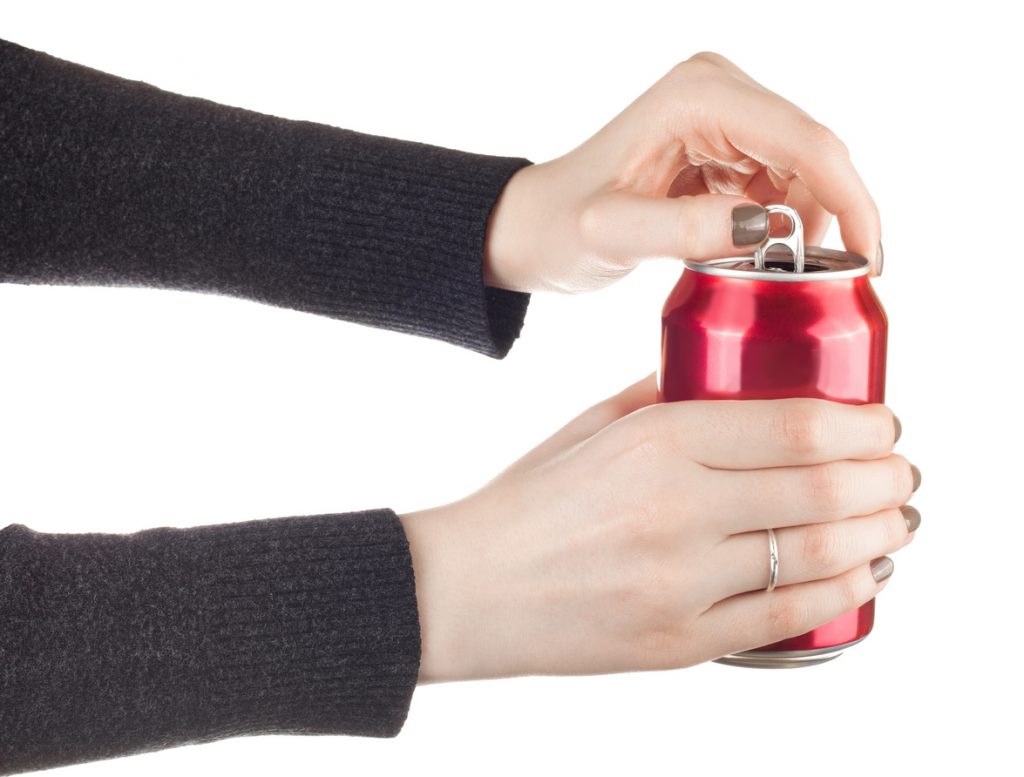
x=879, y=257
x=899, y=429
x=881, y=568
x=917, y=477
x=749, y=225
x=912, y=516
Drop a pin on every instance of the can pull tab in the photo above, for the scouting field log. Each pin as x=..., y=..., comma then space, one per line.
x=794, y=241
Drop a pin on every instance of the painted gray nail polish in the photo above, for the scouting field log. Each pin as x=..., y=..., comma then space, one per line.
x=880, y=257
x=899, y=428
x=749, y=225
x=917, y=477
x=912, y=516
x=881, y=568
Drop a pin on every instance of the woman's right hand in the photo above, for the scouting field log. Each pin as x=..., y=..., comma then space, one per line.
x=681, y=172
x=634, y=538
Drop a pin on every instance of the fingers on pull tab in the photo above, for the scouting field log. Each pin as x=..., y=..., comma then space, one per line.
x=794, y=241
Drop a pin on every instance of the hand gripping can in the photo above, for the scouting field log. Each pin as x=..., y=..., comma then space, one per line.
x=784, y=322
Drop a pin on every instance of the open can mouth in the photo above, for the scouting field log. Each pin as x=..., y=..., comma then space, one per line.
x=819, y=264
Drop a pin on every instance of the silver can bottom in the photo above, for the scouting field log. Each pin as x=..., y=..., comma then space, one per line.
x=784, y=659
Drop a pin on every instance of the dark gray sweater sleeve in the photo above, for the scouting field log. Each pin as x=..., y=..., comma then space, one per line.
x=112, y=644
x=118, y=644
x=107, y=181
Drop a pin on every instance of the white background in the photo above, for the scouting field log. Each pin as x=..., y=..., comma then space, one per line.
x=132, y=408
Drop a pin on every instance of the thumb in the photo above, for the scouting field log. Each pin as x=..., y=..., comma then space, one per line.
x=628, y=228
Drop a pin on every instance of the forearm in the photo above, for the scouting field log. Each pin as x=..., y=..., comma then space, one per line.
x=118, y=644
x=108, y=181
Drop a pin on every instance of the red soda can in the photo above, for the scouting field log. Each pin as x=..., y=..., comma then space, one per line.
x=783, y=322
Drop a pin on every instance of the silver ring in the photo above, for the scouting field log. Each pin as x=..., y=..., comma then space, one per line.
x=773, y=561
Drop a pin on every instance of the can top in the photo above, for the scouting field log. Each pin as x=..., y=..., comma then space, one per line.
x=820, y=264
x=785, y=259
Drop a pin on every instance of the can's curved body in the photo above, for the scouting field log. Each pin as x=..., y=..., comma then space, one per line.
x=732, y=331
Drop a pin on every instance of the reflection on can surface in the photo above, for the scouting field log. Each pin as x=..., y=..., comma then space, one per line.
x=756, y=328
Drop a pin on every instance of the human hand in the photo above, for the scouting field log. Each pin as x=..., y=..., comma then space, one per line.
x=675, y=175
x=634, y=538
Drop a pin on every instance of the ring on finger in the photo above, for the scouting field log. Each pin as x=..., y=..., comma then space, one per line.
x=773, y=561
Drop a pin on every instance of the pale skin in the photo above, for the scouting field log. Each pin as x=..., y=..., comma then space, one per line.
x=634, y=537
x=663, y=177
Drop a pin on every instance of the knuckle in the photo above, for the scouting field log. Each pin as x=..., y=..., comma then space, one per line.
x=824, y=140
x=657, y=648
x=848, y=593
x=894, y=529
x=592, y=221
x=883, y=432
x=787, y=617
x=638, y=530
x=701, y=65
x=661, y=432
x=823, y=548
x=903, y=478
x=803, y=426
x=691, y=233
x=658, y=588
x=651, y=594
x=708, y=57
x=643, y=437
x=827, y=487
x=602, y=414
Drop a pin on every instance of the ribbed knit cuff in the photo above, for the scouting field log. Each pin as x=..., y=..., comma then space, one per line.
x=118, y=644
x=395, y=233
x=312, y=624
x=206, y=197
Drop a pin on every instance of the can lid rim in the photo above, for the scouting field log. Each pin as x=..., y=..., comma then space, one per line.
x=832, y=265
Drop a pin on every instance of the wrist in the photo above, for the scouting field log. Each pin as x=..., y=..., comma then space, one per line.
x=472, y=603
x=438, y=566
x=510, y=226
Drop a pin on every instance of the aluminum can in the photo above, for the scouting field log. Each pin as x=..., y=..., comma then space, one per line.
x=783, y=322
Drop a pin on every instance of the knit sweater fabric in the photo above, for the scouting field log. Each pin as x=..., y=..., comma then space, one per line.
x=112, y=644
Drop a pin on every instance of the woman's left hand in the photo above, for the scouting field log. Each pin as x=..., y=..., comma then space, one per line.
x=682, y=172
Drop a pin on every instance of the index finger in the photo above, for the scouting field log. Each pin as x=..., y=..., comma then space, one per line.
x=776, y=133
x=759, y=433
